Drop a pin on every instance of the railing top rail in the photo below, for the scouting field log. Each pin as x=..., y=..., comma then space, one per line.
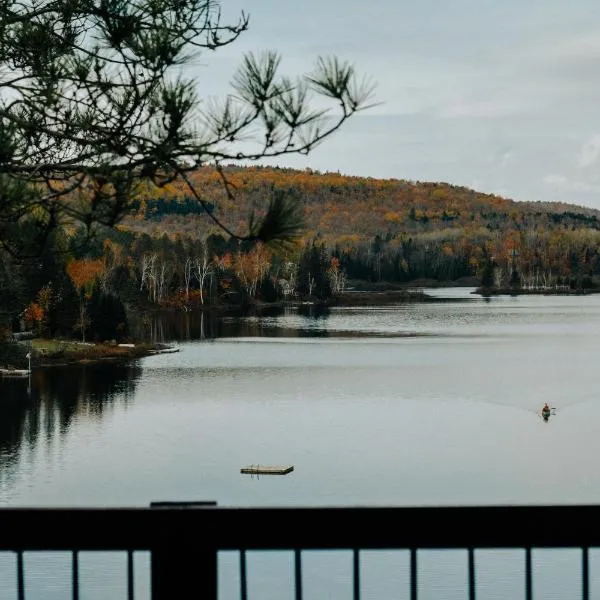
x=333, y=527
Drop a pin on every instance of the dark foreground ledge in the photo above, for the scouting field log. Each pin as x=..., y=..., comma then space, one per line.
x=220, y=527
x=184, y=539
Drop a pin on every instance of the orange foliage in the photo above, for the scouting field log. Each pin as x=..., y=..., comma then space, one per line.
x=85, y=272
x=346, y=212
x=33, y=314
x=224, y=262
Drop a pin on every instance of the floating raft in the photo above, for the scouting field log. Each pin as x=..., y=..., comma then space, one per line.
x=265, y=470
x=15, y=372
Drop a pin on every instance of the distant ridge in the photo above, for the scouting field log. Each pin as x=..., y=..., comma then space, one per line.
x=349, y=209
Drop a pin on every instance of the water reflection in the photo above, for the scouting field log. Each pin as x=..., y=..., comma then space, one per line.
x=43, y=408
x=314, y=310
x=249, y=322
x=164, y=327
x=404, y=319
x=419, y=404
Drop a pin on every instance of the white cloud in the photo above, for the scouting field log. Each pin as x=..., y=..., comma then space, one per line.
x=586, y=187
x=582, y=45
x=506, y=158
x=505, y=95
x=493, y=106
x=590, y=152
x=555, y=179
x=572, y=185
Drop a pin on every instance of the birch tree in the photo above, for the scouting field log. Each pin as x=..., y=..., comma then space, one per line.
x=203, y=269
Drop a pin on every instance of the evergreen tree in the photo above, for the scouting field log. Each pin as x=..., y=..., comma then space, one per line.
x=313, y=281
x=64, y=307
x=487, y=275
x=108, y=320
x=515, y=279
x=93, y=104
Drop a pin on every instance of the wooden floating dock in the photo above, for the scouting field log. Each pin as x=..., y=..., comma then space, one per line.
x=266, y=470
x=15, y=372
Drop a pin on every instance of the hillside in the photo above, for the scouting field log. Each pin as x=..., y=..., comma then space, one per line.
x=361, y=233
x=345, y=210
x=391, y=230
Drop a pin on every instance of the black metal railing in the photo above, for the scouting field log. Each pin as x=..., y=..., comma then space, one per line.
x=184, y=539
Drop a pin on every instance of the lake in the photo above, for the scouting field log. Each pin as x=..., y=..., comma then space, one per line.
x=432, y=403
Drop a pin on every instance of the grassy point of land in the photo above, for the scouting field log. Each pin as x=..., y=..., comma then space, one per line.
x=48, y=352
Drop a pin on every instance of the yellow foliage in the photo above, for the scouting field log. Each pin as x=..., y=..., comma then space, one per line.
x=392, y=217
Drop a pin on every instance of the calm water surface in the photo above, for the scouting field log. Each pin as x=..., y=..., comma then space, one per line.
x=415, y=404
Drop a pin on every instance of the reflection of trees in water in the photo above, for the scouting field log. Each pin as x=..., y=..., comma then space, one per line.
x=315, y=316
x=166, y=327
x=85, y=390
x=44, y=412
x=15, y=427
x=199, y=325
x=317, y=311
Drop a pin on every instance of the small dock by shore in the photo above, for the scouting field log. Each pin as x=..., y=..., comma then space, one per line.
x=15, y=372
x=165, y=350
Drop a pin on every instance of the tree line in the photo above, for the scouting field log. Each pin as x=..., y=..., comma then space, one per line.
x=86, y=290
x=86, y=293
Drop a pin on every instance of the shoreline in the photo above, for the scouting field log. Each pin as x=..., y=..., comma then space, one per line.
x=47, y=353
x=486, y=292
x=51, y=353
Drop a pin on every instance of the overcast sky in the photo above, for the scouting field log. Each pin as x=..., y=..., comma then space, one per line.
x=502, y=96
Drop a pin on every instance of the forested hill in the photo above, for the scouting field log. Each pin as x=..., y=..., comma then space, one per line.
x=345, y=211
x=359, y=232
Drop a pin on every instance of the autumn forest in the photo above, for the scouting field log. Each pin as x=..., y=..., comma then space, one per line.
x=169, y=253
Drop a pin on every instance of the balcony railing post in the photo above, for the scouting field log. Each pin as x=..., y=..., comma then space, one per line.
x=183, y=567
x=180, y=574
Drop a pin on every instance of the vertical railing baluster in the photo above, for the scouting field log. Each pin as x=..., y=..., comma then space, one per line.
x=356, y=573
x=130, y=581
x=413, y=574
x=298, y=573
x=75, y=574
x=175, y=572
x=585, y=574
x=20, y=576
x=243, y=576
x=528, y=575
x=472, y=593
